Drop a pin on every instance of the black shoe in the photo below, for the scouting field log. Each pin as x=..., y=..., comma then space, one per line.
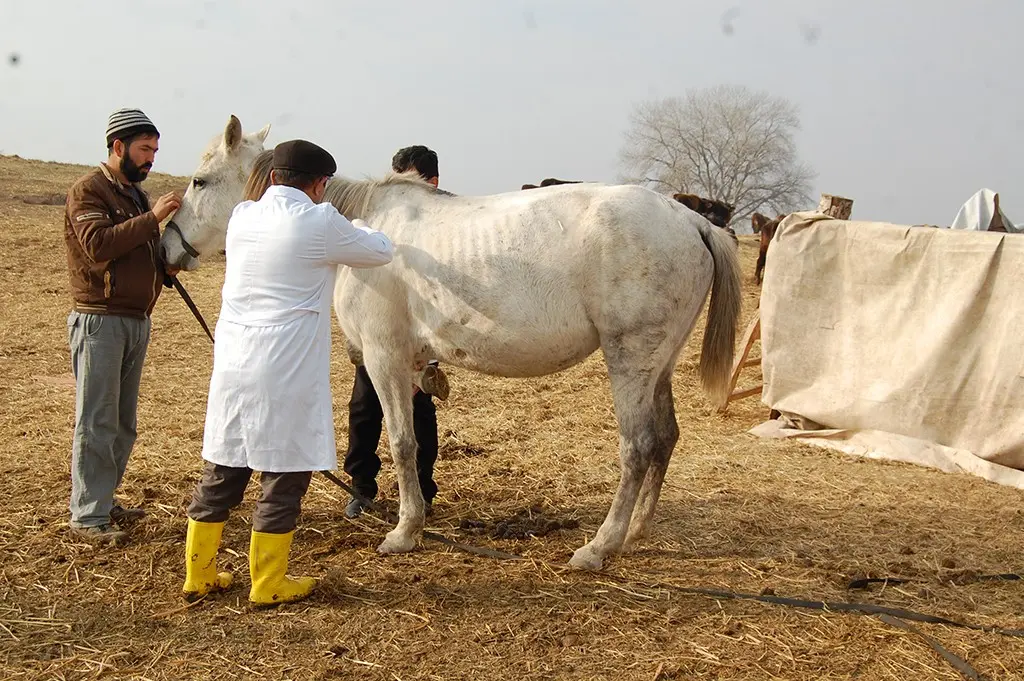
x=355, y=508
x=125, y=516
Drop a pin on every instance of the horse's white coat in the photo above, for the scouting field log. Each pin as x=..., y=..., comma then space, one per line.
x=215, y=189
x=521, y=284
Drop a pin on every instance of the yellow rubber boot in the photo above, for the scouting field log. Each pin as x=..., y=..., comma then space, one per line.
x=201, y=577
x=268, y=560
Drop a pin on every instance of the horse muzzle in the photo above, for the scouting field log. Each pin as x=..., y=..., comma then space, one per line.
x=177, y=252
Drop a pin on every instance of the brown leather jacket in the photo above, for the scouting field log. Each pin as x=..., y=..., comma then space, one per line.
x=113, y=247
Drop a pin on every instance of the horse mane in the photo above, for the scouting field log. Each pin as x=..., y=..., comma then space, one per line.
x=353, y=198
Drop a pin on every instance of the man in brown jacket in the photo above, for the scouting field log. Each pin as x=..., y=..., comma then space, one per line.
x=116, y=274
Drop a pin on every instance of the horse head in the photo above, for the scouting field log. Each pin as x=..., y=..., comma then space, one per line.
x=199, y=226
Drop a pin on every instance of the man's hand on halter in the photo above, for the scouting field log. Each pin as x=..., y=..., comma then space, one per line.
x=165, y=205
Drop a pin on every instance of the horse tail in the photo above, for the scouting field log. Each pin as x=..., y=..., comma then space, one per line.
x=719, y=345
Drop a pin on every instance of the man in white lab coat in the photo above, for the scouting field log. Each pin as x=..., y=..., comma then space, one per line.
x=269, y=408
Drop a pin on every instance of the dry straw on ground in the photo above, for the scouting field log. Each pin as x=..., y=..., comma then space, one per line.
x=526, y=466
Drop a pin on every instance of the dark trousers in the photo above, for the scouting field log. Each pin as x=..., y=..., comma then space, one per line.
x=365, y=423
x=221, y=489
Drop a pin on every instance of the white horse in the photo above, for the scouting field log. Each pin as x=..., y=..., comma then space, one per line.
x=517, y=284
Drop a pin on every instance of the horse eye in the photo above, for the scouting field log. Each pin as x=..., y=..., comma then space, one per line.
x=198, y=183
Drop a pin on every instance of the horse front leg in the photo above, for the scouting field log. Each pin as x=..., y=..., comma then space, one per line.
x=392, y=380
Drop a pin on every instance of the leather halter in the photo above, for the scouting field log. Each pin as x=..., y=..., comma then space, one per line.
x=184, y=243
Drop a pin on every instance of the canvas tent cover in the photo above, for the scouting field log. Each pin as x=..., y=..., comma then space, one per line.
x=897, y=342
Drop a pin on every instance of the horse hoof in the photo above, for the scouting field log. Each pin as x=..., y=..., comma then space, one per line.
x=396, y=544
x=585, y=558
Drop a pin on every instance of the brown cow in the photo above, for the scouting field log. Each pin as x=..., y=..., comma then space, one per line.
x=761, y=224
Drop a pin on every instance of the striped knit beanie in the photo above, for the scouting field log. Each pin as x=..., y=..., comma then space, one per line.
x=125, y=122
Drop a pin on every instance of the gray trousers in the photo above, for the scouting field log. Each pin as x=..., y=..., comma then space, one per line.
x=221, y=489
x=107, y=354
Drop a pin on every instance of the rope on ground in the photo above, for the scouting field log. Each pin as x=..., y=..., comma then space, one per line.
x=834, y=606
x=896, y=617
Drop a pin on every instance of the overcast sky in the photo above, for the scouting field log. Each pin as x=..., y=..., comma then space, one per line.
x=907, y=107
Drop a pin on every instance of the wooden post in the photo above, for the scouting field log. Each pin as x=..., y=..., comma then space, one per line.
x=750, y=336
x=835, y=206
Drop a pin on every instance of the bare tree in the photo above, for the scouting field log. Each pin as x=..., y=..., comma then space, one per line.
x=725, y=143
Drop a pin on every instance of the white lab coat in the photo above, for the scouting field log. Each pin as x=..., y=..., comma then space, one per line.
x=269, y=406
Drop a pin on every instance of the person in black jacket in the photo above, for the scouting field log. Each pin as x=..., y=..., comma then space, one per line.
x=365, y=414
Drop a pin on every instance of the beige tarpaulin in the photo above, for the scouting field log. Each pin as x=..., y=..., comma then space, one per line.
x=897, y=342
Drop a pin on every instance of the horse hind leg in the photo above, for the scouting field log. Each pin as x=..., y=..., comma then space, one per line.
x=638, y=442
x=668, y=436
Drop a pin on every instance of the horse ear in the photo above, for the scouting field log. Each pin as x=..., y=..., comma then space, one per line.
x=232, y=133
x=262, y=134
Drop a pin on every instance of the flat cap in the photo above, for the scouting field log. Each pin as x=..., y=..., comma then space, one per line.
x=300, y=156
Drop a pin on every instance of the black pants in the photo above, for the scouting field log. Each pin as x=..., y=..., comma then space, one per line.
x=365, y=423
x=221, y=489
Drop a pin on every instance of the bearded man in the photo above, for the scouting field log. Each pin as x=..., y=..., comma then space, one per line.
x=112, y=235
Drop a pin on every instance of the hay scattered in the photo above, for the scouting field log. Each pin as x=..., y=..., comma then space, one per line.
x=526, y=466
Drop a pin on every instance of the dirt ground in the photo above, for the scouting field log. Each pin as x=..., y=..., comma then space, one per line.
x=527, y=467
